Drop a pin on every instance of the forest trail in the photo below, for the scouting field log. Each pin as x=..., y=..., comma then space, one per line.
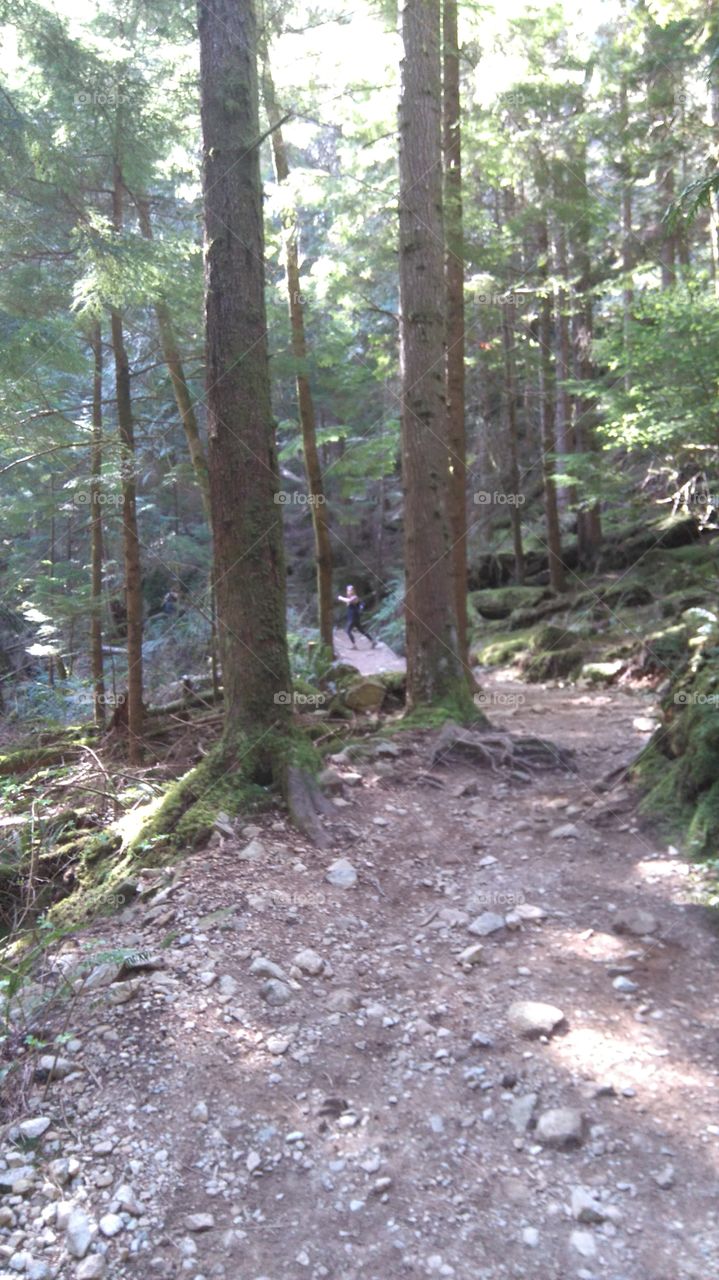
x=367, y=660
x=311, y=1084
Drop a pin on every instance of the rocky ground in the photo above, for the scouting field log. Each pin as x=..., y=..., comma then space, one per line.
x=477, y=1039
x=367, y=660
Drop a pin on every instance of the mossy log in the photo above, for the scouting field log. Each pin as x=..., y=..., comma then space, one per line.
x=27, y=759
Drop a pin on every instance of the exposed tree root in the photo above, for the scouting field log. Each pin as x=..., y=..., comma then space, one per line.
x=496, y=751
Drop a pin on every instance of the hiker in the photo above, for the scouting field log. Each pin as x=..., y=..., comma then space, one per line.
x=354, y=606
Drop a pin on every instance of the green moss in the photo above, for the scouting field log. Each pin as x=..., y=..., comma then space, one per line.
x=702, y=839
x=503, y=650
x=560, y=664
x=669, y=647
x=186, y=816
x=499, y=602
x=19, y=762
x=461, y=709
x=549, y=638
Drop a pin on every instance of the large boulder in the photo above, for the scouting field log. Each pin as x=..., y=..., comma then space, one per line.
x=365, y=694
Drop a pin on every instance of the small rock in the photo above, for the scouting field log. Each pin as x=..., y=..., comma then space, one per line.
x=380, y=1186
x=35, y=1128
x=585, y=1208
x=228, y=987
x=488, y=922
x=101, y=976
x=342, y=1000
x=79, y=1233
x=275, y=993
x=199, y=1222
x=665, y=1177
x=277, y=1045
x=253, y=1161
x=255, y=851
x=309, y=962
x=566, y=832
x=122, y=992
x=128, y=1201
x=341, y=874
x=625, y=985
x=471, y=955
x=530, y=1236
x=92, y=1268
x=261, y=967
x=10, y=1178
x=532, y=1018
x=583, y=1242
x=635, y=920
x=522, y=1111
x=111, y=1224
x=561, y=1127
x=51, y=1067
x=200, y=1113
x=38, y=1270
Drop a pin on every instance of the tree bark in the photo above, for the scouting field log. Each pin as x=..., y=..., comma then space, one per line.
x=96, y=539
x=566, y=497
x=454, y=285
x=668, y=250
x=547, y=418
x=305, y=401
x=130, y=538
x=244, y=478
x=589, y=523
x=510, y=392
x=627, y=256
x=434, y=668
x=175, y=368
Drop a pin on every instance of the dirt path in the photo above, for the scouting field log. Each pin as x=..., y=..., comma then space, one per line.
x=381, y=1123
x=367, y=660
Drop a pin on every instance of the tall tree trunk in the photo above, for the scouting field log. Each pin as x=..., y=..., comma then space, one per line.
x=714, y=157
x=96, y=540
x=434, y=668
x=589, y=523
x=547, y=417
x=244, y=477
x=454, y=284
x=565, y=435
x=668, y=250
x=175, y=368
x=305, y=401
x=627, y=255
x=130, y=538
x=510, y=392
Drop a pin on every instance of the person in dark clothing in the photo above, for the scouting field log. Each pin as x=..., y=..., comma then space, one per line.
x=354, y=607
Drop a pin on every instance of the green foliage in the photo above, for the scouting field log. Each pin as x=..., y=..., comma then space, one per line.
x=662, y=390
x=388, y=617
